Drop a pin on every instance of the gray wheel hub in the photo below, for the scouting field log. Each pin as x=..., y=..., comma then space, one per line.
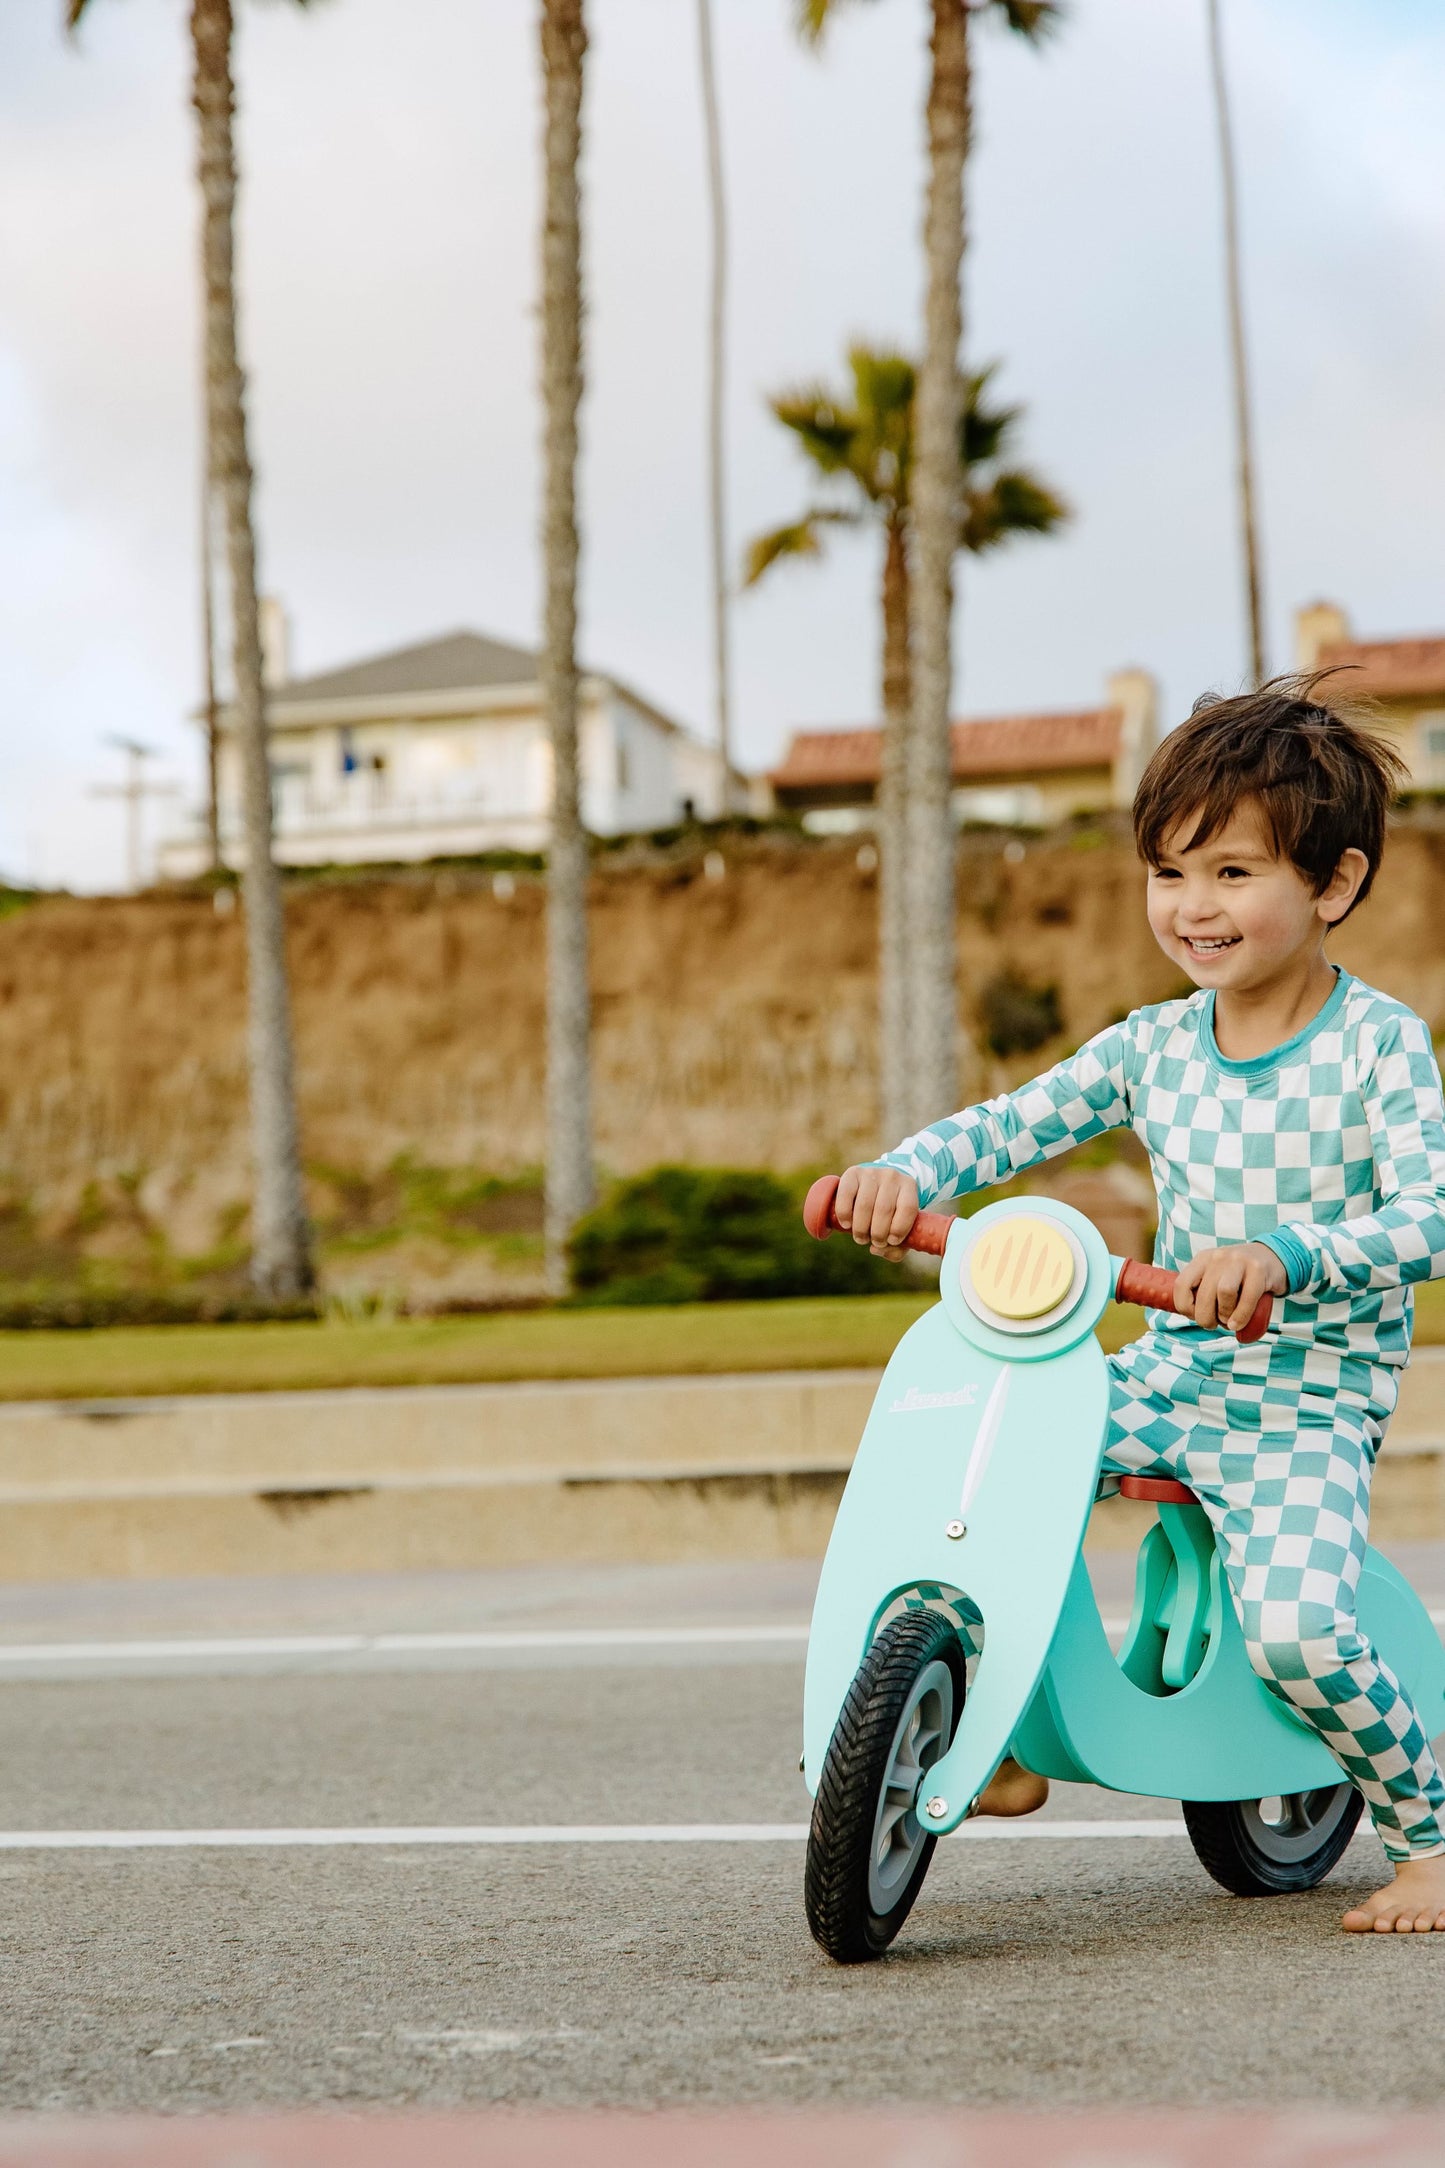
x=1294, y=1826
x=923, y=1734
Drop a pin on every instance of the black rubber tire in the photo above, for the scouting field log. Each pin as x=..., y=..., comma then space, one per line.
x=1234, y=1845
x=836, y=1877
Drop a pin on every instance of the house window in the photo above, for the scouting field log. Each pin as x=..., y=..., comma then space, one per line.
x=624, y=772
x=289, y=783
x=1432, y=749
x=1006, y=805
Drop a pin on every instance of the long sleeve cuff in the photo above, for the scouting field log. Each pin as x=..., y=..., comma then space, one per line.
x=1297, y=1259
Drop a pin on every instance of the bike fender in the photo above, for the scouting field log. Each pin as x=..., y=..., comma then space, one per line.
x=1020, y=1442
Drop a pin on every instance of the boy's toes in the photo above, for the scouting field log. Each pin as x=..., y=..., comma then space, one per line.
x=1369, y=1919
x=1413, y=1904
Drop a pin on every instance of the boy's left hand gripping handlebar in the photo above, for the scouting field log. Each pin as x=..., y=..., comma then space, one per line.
x=929, y=1231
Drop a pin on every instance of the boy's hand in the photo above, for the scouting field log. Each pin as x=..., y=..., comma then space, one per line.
x=878, y=1206
x=1223, y=1287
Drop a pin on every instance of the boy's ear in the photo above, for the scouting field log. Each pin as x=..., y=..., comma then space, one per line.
x=1336, y=899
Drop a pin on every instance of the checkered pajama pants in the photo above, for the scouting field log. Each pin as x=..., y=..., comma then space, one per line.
x=1291, y=1515
x=1291, y=1522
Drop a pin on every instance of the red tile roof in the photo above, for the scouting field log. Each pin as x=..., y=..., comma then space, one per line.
x=993, y=746
x=1388, y=669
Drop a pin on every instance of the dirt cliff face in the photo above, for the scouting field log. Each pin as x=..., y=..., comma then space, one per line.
x=734, y=1015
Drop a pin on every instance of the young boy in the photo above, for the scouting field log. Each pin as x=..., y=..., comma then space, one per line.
x=1296, y=1134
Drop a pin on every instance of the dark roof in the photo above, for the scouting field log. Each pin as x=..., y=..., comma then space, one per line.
x=1001, y=745
x=1386, y=669
x=457, y=662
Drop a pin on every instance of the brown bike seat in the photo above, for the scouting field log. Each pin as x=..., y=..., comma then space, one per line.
x=1161, y=1489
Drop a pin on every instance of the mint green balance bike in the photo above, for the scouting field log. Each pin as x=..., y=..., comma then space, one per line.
x=965, y=1513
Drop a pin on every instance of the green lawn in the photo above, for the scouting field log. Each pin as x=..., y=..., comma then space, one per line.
x=812, y=1335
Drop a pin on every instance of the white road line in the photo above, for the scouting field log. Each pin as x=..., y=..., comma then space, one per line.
x=486, y=1641
x=149, y=1840
x=261, y=1645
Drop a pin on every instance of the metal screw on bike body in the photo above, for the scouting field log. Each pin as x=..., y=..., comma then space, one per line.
x=936, y=1808
x=954, y=1530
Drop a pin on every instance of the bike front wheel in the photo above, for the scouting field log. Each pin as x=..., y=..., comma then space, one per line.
x=867, y=1850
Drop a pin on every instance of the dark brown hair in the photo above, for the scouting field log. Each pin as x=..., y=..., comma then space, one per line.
x=1323, y=779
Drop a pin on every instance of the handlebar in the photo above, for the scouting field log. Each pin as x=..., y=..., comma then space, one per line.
x=1153, y=1289
x=928, y=1233
x=1149, y=1285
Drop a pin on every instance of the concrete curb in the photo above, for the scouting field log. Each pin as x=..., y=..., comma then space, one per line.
x=645, y=1469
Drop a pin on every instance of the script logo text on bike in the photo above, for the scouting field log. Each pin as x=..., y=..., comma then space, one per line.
x=913, y=1401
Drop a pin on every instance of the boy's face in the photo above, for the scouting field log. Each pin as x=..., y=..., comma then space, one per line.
x=1233, y=913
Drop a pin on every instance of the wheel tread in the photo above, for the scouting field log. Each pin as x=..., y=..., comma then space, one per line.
x=1226, y=1852
x=844, y=1809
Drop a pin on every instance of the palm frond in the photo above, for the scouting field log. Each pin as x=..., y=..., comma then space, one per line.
x=822, y=424
x=984, y=430
x=1031, y=19
x=883, y=382
x=1013, y=503
x=800, y=539
x=811, y=18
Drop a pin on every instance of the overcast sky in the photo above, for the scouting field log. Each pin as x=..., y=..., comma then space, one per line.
x=387, y=252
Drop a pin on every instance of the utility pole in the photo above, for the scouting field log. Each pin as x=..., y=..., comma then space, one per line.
x=716, y=393
x=134, y=791
x=1244, y=449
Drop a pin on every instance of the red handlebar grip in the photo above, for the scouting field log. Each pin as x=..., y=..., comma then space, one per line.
x=1153, y=1288
x=929, y=1231
x=818, y=1207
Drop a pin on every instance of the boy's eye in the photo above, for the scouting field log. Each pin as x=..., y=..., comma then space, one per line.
x=1165, y=873
x=1234, y=873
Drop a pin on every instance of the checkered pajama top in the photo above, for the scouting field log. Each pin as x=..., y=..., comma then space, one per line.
x=1331, y=1149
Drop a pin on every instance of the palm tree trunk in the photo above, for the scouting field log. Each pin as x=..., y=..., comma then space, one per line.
x=936, y=489
x=281, y=1263
x=1243, y=433
x=208, y=661
x=893, y=1035
x=716, y=387
x=569, y=1187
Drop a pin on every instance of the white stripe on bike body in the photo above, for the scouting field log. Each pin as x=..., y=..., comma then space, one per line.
x=528, y=1833
x=983, y=1445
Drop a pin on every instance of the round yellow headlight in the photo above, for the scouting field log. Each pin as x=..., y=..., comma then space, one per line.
x=1022, y=1267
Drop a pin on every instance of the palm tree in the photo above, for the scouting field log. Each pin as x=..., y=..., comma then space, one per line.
x=927, y=778
x=281, y=1260
x=863, y=440
x=210, y=710
x=569, y=1184
x=716, y=388
x=1244, y=453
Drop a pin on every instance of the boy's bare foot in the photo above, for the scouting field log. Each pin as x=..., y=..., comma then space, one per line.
x=1413, y=1904
x=1013, y=1790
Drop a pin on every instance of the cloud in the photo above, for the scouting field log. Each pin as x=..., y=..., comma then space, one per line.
x=388, y=247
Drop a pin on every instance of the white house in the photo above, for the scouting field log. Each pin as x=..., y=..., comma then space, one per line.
x=439, y=751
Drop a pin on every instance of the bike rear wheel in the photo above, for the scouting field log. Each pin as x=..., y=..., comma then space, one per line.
x=867, y=1850
x=1270, y=1847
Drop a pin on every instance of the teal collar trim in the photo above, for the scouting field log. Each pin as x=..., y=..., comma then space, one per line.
x=1262, y=1064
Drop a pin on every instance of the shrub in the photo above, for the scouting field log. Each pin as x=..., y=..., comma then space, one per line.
x=1018, y=1017
x=713, y=1234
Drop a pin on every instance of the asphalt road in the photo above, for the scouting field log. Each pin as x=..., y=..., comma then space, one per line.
x=1060, y=1972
